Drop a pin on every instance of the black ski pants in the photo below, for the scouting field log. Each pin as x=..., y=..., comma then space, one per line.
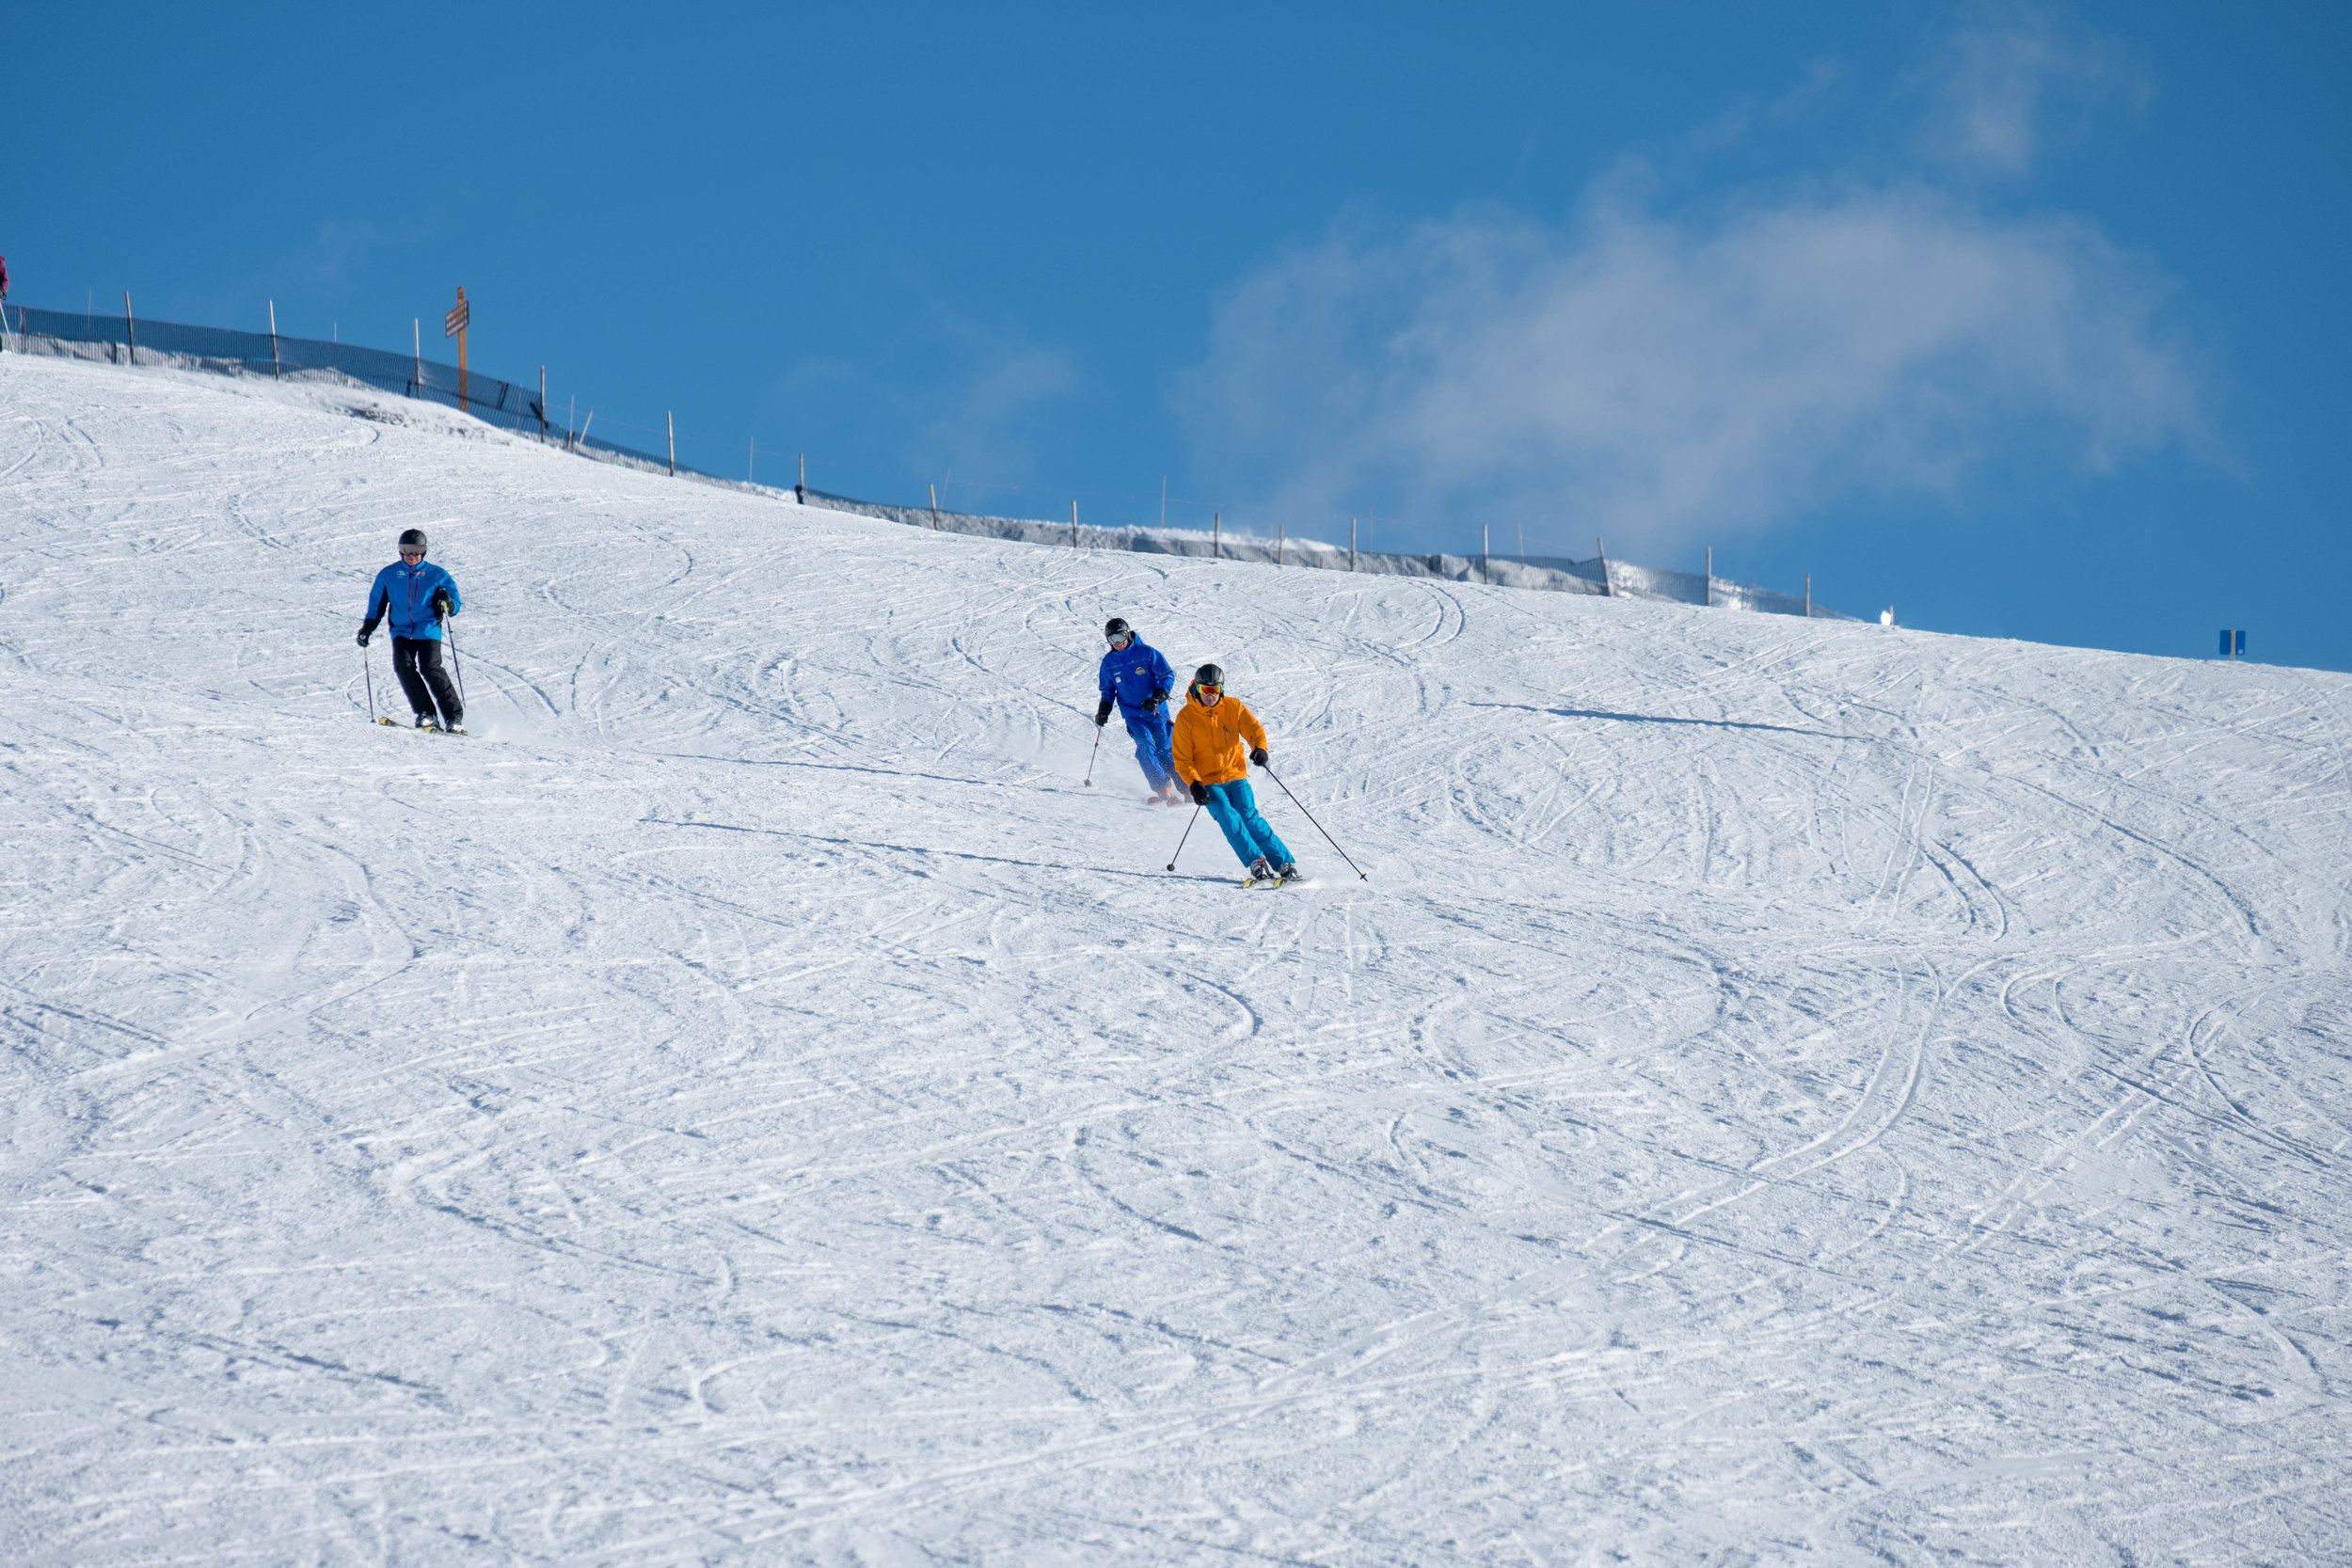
x=417, y=660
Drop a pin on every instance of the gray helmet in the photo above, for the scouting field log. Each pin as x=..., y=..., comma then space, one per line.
x=412, y=536
x=1209, y=674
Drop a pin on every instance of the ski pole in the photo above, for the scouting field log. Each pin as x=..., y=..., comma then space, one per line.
x=1179, y=843
x=1098, y=746
x=449, y=629
x=1311, y=816
x=368, y=670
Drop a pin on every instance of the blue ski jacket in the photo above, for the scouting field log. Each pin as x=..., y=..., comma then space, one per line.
x=405, y=593
x=1133, y=673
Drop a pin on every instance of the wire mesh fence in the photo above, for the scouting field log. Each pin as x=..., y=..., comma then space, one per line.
x=125, y=339
x=1601, y=575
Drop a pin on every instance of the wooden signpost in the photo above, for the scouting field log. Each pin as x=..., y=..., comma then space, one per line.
x=453, y=325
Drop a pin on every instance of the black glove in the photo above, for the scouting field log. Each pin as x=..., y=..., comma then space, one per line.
x=1258, y=756
x=1199, y=793
x=1156, y=699
x=367, y=629
x=1103, y=714
x=440, y=603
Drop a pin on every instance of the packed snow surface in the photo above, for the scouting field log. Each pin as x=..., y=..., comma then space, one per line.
x=1785, y=1091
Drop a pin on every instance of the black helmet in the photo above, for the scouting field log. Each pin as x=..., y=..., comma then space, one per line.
x=412, y=536
x=1116, y=626
x=1209, y=674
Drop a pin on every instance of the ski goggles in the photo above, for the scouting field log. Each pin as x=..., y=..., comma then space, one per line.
x=1210, y=690
x=1123, y=641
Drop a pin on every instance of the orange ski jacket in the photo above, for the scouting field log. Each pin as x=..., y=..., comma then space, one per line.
x=1209, y=740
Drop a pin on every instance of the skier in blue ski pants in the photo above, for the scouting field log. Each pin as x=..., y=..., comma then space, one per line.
x=1137, y=679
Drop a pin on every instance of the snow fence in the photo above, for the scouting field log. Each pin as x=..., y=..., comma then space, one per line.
x=1552, y=574
x=126, y=340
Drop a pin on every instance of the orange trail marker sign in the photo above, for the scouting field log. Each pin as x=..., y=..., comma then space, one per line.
x=453, y=325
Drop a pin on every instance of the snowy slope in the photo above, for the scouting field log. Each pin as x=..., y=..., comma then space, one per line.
x=1787, y=1092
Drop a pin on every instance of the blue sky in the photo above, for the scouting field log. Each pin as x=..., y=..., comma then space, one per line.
x=2030, y=320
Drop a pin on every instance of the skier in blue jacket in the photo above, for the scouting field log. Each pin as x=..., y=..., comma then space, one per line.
x=1138, y=679
x=415, y=596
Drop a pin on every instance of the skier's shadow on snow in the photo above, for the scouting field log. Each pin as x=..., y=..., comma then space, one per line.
x=1655, y=719
x=941, y=854
x=879, y=772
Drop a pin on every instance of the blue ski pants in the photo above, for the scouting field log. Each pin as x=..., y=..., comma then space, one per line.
x=1153, y=732
x=1236, y=812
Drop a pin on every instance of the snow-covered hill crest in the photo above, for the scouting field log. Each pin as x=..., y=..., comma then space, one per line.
x=1787, y=1090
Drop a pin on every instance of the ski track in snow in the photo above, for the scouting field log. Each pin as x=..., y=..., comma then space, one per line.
x=1787, y=1089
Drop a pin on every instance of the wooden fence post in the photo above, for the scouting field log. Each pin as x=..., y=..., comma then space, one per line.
x=800, y=491
x=668, y=419
x=543, y=405
x=1217, y=535
x=1708, y=594
x=1073, y=525
x=130, y=328
x=273, y=341
x=1277, y=545
x=934, y=509
x=1809, y=595
x=1600, y=552
x=1351, y=544
x=465, y=315
x=416, y=343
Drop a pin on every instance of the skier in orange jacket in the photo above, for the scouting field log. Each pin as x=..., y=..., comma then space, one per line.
x=1209, y=756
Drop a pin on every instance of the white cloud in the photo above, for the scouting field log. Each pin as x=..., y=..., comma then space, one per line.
x=981, y=424
x=2001, y=83
x=1665, y=381
x=968, y=398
